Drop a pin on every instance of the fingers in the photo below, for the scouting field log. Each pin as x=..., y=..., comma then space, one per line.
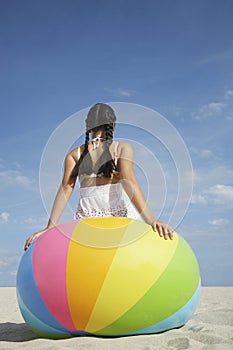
x=26, y=245
x=32, y=238
x=168, y=232
x=163, y=229
x=28, y=242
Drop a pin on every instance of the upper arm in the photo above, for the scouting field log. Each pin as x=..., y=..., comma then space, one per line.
x=126, y=161
x=69, y=165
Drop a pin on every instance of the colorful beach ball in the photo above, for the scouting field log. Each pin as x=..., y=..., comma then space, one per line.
x=106, y=277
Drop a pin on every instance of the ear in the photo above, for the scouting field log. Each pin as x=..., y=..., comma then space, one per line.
x=113, y=127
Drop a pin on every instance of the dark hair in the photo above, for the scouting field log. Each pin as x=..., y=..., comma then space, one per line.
x=100, y=117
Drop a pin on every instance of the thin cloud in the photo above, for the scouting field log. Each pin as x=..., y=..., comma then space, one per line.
x=35, y=222
x=228, y=95
x=2, y=166
x=205, y=178
x=198, y=199
x=217, y=194
x=229, y=117
x=220, y=194
x=219, y=222
x=120, y=92
x=222, y=108
x=15, y=178
x=209, y=110
x=202, y=153
x=217, y=57
x=211, y=186
x=4, y=217
x=206, y=153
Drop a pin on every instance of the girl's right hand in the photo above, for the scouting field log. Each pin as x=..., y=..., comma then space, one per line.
x=32, y=238
x=164, y=230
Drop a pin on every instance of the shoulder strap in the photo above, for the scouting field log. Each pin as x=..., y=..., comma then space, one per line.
x=115, y=152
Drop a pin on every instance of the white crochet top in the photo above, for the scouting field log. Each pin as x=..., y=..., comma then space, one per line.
x=105, y=200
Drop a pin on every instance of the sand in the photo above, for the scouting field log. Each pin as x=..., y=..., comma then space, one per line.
x=210, y=328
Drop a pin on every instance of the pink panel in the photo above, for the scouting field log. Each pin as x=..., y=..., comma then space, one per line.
x=49, y=265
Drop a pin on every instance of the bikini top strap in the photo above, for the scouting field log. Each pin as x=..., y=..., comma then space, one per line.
x=115, y=159
x=78, y=153
x=114, y=154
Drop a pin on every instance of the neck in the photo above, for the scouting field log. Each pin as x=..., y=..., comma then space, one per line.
x=96, y=141
x=98, y=134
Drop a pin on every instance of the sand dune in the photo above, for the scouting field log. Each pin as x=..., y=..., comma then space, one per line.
x=210, y=328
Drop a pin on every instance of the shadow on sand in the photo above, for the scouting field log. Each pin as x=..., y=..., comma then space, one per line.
x=16, y=332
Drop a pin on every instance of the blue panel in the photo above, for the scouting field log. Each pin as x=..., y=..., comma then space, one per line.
x=29, y=294
x=34, y=322
x=81, y=333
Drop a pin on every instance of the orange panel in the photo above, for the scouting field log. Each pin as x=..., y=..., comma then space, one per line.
x=87, y=267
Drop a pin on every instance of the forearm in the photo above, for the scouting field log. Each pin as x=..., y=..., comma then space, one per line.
x=135, y=194
x=60, y=202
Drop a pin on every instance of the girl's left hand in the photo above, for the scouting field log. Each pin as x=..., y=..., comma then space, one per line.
x=164, y=230
x=32, y=238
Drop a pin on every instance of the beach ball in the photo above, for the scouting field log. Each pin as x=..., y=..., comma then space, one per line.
x=107, y=276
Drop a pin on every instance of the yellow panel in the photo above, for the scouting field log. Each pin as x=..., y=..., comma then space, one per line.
x=111, y=222
x=87, y=267
x=104, y=232
x=134, y=269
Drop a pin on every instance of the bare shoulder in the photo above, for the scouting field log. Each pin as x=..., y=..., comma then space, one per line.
x=74, y=153
x=125, y=150
x=125, y=146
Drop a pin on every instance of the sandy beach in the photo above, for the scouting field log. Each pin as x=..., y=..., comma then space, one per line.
x=211, y=328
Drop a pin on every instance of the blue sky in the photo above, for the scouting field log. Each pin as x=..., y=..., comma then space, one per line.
x=175, y=57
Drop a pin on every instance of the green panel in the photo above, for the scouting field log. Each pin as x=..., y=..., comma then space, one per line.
x=169, y=293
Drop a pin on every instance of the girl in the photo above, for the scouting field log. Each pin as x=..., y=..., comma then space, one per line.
x=105, y=169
